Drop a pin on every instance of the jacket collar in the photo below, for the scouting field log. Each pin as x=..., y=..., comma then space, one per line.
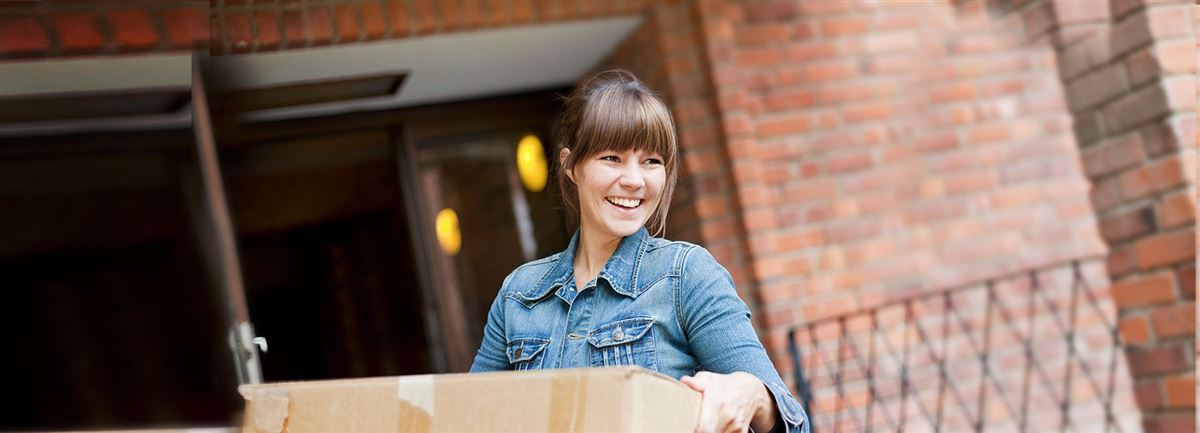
x=620, y=271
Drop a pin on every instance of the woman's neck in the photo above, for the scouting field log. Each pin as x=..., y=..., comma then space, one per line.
x=592, y=253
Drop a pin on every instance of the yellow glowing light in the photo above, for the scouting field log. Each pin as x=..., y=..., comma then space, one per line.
x=448, y=234
x=531, y=163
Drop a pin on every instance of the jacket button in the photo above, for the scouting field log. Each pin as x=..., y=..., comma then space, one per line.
x=517, y=353
x=618, y=334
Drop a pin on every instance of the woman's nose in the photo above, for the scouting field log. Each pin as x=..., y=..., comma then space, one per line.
x=632, y=177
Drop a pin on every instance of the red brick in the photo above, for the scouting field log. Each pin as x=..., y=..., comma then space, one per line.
x=132, y=29
x=1163, y=359
x=848, y=163
x=1177, y=209
x=522, y=12
x=1135, y=329
x=499, y=12
x=1176, y=56
x=451, y=14
x=348, y=28
x=1037, y=20
x=186, y=27
x=988, y=134
x=1180, y=92
x=1113, y=155
x=237, y=29
x=1127, y=225
x=1146, y=103
x=1075, y=12
x=77, y=32
x=568, y=10
x=763, y=11
x=1096, y=87
x=1181, y=391
x=1141, y=66
x=1144, y=290
x=374, y=22
x=1132, y=31
x=868, y=112
x=843, y=26
x=1163, y=137
x=824, y=8
x=954, y=92
x=820, y=72
x=1120, y=261
x=805, y=51
x=426, y=18
x=792, y=99
x=762, y=34
x=1186, y=277
x=399, y=19
x=1120, y=8
x=1174, y=320
x=1169, y=422
x=783, y=125
x=1170, y=21
x=1149, y=394
x=1165, y=249
x=1153, y=178
x=22, y=34
x=547, y=11
x=320, y=25
x=472, y=15
x=799, y=240
x=759, y=57
x=294, y=30
x=268, y=30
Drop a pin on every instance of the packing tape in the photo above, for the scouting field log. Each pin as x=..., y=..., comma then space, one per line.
x=416, y=400
x=271, y=410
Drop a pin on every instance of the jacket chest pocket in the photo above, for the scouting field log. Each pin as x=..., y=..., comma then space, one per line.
x=624, y=342
x=527, y=353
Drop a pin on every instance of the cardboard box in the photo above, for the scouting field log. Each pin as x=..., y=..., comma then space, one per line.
x=624, y=399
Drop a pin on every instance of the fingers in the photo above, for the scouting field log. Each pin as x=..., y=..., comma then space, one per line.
x=709, y=414
x=721, y=408
x=699, y=382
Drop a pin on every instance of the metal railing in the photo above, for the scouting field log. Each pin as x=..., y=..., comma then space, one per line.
x=1036, y=350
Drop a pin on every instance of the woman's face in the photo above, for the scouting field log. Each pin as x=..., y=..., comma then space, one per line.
x=618, y=191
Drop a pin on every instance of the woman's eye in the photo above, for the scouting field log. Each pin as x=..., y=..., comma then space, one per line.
x=612, y=158
x=654, y=161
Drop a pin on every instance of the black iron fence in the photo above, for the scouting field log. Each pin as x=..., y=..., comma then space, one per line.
x=1032, y=351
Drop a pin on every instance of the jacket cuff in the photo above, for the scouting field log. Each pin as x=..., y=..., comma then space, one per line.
x=792, y=418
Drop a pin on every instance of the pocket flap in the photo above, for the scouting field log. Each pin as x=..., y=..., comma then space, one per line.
x=524, y=349
x=619, y=332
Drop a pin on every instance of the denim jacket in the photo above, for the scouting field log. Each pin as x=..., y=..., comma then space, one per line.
x=663, y=305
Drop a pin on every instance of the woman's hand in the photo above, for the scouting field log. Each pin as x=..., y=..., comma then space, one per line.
x=732, y=402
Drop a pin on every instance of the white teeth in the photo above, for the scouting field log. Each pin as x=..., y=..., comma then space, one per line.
x=624, y=202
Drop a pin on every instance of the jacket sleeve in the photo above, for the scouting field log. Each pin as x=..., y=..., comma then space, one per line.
x=717, y=325
x=491, y=355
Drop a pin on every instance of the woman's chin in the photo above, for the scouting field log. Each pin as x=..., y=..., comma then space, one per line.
x=624, y=228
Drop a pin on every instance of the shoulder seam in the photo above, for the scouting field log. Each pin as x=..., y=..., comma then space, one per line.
x=679, y=288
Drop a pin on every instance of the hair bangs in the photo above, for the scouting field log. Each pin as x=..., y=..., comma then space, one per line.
x=621, y=119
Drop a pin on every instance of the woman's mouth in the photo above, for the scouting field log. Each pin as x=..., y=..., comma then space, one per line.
x=624, y=203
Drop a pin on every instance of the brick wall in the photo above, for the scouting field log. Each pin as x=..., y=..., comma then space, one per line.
x=883, y=150
x=1129, y=73
x=75, y=28
x=254, y=26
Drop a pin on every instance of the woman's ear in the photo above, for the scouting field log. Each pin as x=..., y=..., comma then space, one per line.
x=562, y=162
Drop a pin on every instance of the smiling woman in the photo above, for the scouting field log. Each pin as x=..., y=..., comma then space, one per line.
x=622, y=296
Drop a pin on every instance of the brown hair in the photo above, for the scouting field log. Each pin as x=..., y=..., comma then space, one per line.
x=613, y=111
